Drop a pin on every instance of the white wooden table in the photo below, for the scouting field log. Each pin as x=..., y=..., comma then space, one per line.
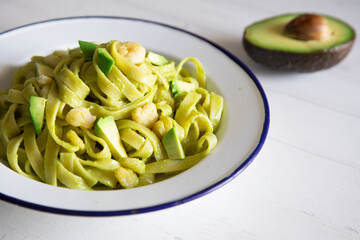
x=304, y=184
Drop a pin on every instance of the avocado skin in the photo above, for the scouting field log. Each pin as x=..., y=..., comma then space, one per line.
x=300, y=62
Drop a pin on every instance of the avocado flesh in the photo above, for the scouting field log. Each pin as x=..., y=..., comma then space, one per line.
x=105, y=61
x=106, y=129
x=266, y=43
x=156, y=59
x=43, y=69
x=173, y=145
x=37, y=110
x=88, y=49
x=178, y=87
x=269, y=34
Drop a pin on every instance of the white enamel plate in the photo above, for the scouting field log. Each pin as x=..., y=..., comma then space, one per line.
x=240, y=136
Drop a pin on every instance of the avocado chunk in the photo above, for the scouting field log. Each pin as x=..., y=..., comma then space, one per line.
x=105, y=61
x=106, y=128
x=37, y=110
x=44, y=69
x=293, y=42
x=88, y=49
x=173, y=145
x=178, y=87
x=156, y=59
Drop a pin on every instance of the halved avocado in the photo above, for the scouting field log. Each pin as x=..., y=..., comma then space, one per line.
x=271, y=42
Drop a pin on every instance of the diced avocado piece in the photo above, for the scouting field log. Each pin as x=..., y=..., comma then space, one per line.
x=156, y=59
x=88, y=49
x=37, y=110
x=179, y=87
x=174, y=89
x=105, y=61
x=43, y=69
x=106, y=128
x=173, y=145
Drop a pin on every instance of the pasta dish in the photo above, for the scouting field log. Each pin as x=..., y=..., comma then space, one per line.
x=107, y=116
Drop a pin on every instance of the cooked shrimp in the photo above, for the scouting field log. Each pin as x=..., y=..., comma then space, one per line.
x=80, y=117
x=132, y=51
x=146, y=115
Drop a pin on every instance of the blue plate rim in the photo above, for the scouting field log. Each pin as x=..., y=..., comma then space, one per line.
x=194, y=196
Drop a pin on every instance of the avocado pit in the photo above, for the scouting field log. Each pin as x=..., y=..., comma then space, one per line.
x=308, y=27
x=299, y=42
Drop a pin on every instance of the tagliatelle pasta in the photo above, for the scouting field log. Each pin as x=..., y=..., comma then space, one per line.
x=107, y=116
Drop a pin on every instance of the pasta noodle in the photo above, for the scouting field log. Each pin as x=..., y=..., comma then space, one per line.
x=103, y=118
